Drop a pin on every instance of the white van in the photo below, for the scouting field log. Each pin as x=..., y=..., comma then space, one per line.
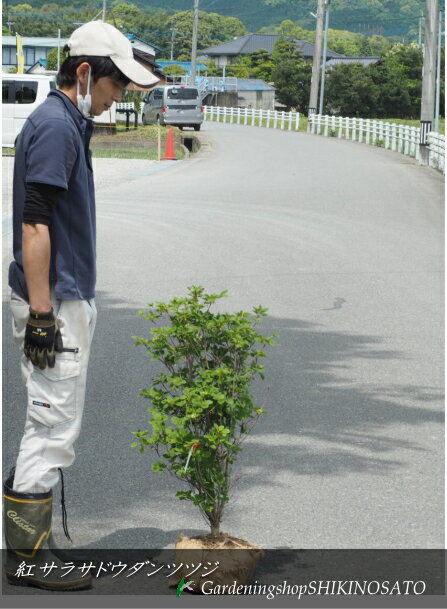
x=22, y=93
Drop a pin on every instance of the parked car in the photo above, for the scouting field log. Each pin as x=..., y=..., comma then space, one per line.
x=21, y=94
x=174, y=105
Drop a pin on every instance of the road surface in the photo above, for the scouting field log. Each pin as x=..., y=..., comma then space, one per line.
x=344, y=244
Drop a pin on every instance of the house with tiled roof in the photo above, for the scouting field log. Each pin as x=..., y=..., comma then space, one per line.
x=226, y=53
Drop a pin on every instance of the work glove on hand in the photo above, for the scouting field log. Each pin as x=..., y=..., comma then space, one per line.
x=42, y=339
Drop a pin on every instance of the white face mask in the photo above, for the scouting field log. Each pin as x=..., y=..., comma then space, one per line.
x=84, y=103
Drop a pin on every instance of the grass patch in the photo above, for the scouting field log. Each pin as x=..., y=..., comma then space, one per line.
x=148, y=132
x=130, y=153
x=140, y=143
x=411, y=122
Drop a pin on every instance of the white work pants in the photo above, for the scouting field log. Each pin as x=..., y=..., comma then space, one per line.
x=55, y=395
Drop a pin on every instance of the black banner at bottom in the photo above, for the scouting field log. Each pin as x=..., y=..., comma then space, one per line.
x=230, y=578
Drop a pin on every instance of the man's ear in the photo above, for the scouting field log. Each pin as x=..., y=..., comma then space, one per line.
x=82, y=73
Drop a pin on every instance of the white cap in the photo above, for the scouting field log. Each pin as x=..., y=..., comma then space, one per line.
x=101, y=39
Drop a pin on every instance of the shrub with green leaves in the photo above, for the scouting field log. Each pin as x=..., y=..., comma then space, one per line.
x=202, y=407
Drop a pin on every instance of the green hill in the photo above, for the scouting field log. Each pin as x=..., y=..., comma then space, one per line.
x=386, y=17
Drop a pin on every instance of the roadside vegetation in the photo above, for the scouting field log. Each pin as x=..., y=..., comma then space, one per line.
x=390, y=87
x=140, y=143
x=412, y=123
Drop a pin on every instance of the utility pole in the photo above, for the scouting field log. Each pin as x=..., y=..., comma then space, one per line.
x=104, y=9
x=173, y=30
x=438, y=73
x=323, y=65
x=428, y=76
x=195, y=25
x=316, y=59
x=58, y=49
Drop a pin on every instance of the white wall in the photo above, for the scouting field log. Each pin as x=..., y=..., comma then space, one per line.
x=260, y=100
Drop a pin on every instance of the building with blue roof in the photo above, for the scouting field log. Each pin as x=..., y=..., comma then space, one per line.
x=255, y=93
x=243, y=93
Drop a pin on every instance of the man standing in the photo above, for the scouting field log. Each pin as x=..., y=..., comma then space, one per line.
x=52, y=278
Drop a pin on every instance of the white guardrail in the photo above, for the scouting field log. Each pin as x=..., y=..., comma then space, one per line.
x=436, y=145
x=253, y=118
x=400, y=138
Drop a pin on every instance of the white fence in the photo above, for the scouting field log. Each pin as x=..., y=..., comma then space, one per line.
x=436, y=145
x=253, y=118
x=400, y=138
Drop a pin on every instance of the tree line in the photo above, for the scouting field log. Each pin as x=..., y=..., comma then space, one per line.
x=392, y=87
x=387, y=17
x=158, y=28
x=168, y=31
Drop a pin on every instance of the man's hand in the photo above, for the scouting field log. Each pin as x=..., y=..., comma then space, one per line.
x=42, y=339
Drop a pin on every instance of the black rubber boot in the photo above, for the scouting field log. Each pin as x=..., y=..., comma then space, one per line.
x=27, y=523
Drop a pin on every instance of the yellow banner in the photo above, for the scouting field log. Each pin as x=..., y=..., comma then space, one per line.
x=20, y=58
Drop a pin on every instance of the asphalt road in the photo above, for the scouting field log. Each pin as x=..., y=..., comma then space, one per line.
x=344, y=244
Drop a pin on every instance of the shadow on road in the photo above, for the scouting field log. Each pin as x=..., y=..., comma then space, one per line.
x=311, y=400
